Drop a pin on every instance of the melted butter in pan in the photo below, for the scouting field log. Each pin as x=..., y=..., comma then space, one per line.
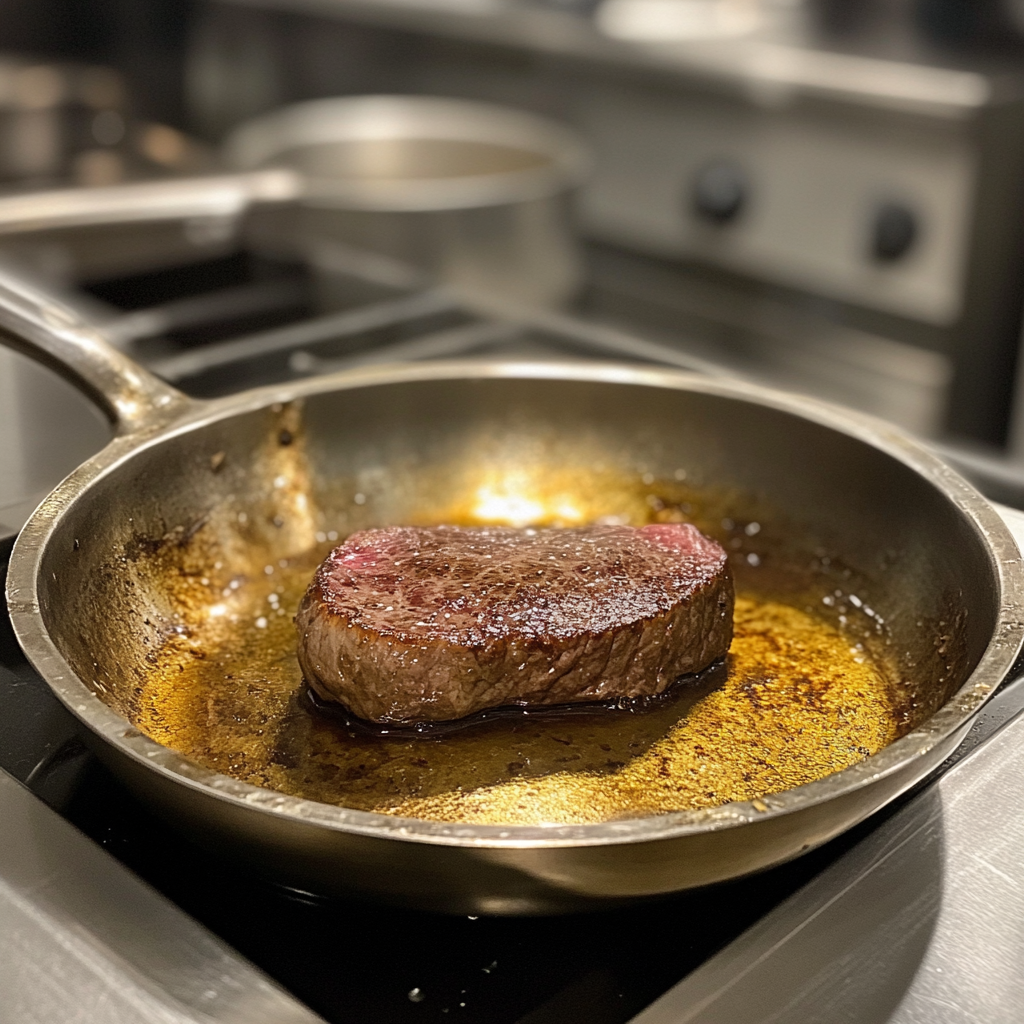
x=796, y=700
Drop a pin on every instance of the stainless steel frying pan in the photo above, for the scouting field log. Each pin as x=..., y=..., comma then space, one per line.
x=102, y=570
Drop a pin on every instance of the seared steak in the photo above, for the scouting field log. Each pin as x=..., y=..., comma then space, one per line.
x=405, y=625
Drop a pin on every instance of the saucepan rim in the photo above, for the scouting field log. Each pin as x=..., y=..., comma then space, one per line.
x=267, y=140
x=998, y=657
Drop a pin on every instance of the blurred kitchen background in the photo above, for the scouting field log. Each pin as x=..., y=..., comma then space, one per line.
x=826, y=195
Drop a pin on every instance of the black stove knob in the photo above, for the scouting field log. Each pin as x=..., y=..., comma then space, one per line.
x=893, y=232
x=720, y=191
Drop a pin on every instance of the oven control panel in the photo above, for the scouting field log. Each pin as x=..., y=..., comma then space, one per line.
x=872, y=211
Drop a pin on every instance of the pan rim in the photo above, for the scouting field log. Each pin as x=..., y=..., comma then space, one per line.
x=996, y=660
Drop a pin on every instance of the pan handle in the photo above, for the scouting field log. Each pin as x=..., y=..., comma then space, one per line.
x=212, y=196
x=41, y=327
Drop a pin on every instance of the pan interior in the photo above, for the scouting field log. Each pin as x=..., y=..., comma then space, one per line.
x=854, y=621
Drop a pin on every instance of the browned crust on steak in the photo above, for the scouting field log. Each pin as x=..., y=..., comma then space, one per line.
x=407, y=625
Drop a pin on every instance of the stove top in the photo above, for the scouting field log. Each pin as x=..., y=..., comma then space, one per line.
x=203, y=329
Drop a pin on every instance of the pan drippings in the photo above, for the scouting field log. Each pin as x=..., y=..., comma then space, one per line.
x=797, y=699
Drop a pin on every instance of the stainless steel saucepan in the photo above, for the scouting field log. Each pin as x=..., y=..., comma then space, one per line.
x=109, y=577
x=472, y=195
x=475, y=195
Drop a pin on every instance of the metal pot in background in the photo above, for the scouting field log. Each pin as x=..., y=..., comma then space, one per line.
x=475, y=195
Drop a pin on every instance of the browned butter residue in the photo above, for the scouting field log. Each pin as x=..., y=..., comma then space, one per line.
x=795, y=701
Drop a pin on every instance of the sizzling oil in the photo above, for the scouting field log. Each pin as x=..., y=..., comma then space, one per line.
x=796, y=699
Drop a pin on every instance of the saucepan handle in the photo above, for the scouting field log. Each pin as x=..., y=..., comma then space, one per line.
x=224, y=196
x=40, y=326
x=37, y=323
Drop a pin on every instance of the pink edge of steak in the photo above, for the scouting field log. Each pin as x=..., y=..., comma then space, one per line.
x=405, y=625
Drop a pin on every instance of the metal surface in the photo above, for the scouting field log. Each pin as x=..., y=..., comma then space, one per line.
x=765, y=64
x=224, y=196
x=870, y=491
x=475, y=195
x=412, y=153
x=918, y=923
x=76, y=234
x=82, y=939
